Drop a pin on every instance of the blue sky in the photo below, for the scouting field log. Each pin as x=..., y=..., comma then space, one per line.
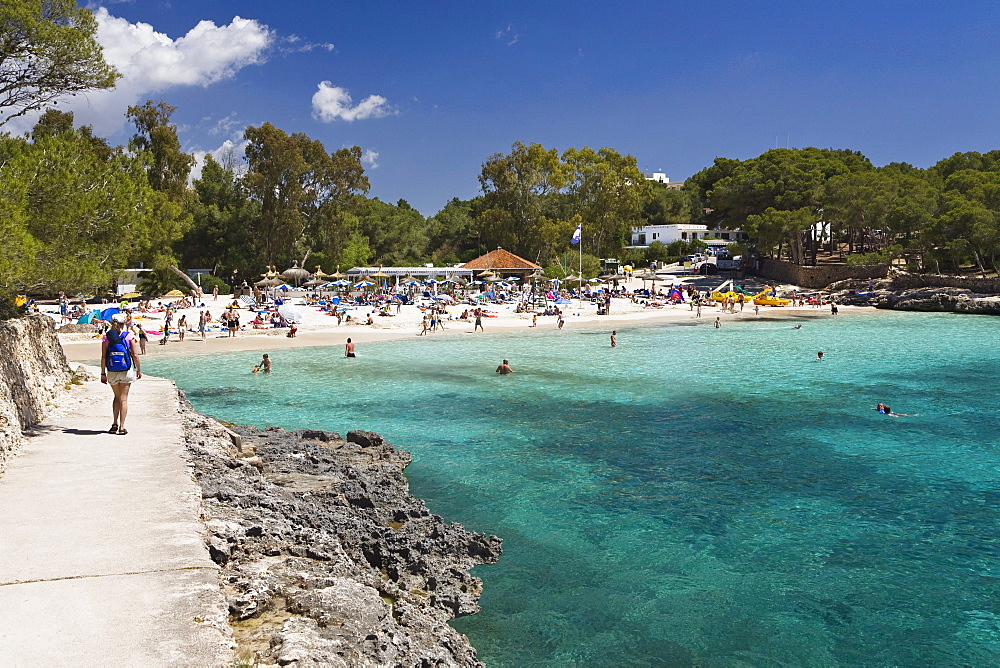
x=435, y=88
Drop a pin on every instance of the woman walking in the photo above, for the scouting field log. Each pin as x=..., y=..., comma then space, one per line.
x=119, y=369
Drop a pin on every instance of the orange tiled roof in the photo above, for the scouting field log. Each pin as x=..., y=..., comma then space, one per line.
x=500, y=259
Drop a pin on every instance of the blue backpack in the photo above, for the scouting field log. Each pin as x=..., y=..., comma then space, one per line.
x=119, y=352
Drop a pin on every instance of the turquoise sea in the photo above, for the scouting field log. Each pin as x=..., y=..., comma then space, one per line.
x=696, y=496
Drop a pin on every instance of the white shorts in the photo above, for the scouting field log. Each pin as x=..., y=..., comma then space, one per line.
x=127, y=377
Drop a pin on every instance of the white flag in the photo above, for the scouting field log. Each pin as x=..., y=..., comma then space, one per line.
x=576, y=235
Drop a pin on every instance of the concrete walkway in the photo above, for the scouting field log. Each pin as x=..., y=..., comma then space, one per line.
x=102, y=561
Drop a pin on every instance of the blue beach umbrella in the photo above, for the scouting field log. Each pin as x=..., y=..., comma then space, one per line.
x=364, y=284
x=108, y=312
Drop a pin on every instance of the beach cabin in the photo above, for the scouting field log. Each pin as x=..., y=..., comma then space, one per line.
x=504, y=264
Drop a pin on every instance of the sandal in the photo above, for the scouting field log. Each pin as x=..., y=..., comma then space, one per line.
x=122, y=431
x=114, y=428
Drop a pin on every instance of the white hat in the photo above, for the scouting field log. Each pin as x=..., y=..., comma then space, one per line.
x=118, y=317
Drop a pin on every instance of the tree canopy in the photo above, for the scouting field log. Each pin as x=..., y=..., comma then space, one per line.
x=48, y=50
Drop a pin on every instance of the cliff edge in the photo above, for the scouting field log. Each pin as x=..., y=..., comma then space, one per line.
x=327, y=559
x=34, y=371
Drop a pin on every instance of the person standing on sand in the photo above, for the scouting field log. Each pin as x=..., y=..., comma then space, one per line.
x=141, y=334
x=349, y=349
x=614, y=339
x=479, y=322
x=215, y=293
x=181, y=327
x=120, y=381
x=504, y=368
x=560, y=322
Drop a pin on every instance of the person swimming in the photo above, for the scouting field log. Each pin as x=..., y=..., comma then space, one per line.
x=819, y=356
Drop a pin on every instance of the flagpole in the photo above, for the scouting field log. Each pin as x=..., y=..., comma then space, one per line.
x=577, y=239
x=580, y=294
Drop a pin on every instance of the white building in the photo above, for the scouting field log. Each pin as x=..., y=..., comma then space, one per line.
x=659, y=177
x=667, y=234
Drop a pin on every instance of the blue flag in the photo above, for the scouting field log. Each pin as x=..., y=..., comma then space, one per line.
x=576, y=235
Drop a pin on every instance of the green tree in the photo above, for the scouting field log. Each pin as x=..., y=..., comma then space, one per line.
x=303, y=193
x=219, y=237
x=668, y=206
x=607, y=189
x=17, y=261
x=774, y=229
x=48, y=49
x=397, y=234
x=781, y=180
x=357, y=251
x=54, y=122
x=169, y=167
x=453, y=235
x=518, y=190
x=657, y=251
x=83, y=216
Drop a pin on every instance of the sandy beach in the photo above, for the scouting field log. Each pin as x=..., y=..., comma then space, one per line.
x=317, y=328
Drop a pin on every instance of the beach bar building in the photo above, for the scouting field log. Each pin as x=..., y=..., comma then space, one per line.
x=396, y=273
x=503, y=264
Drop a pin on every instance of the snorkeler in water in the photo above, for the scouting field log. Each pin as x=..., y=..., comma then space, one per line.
x=886, y=410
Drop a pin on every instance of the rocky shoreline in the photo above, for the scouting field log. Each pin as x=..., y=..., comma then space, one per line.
x=913, y=292
x=326, y=557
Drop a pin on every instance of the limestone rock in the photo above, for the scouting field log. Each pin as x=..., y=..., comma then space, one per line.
x=33, y=371
x=327, y=557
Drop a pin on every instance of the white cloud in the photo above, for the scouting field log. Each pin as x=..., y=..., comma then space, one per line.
x=507, y=35
x=150, y=62
x=370, y=158
x=225, y=125
x=332, y=102
x=292, y=45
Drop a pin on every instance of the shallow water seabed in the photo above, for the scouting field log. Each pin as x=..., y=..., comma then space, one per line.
x=695, y=495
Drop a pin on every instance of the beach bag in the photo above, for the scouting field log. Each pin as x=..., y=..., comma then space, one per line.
x=119, y=352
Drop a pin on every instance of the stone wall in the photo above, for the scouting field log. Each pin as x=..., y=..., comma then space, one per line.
x=825, y=275
x=33, y=371
x=815, y=277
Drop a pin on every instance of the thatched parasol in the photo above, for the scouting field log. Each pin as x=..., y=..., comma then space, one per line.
x=319, y=273
x=269, y=282
x=295, y=273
